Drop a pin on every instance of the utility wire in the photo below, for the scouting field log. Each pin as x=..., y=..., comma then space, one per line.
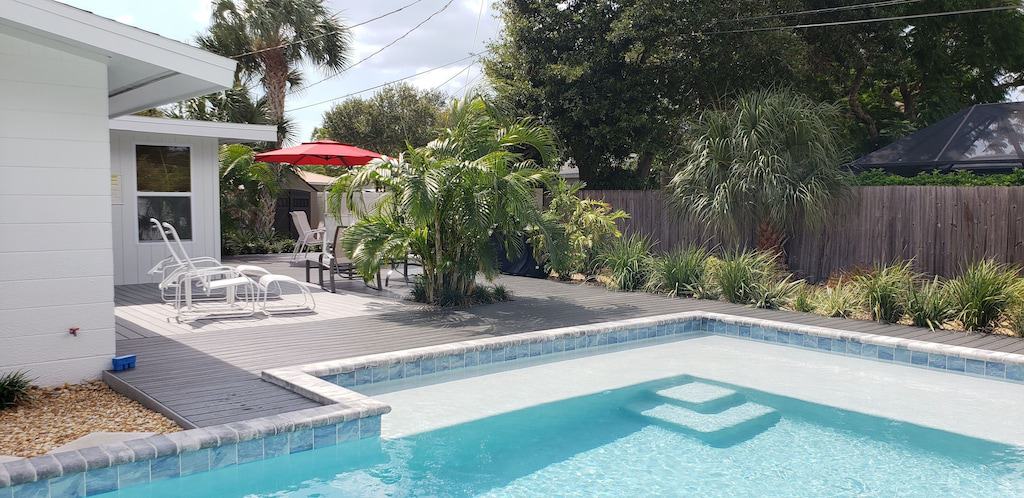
x=883, y=3
x=456, y=75
x=385, y=47
x=860, y=21
x=333, y=32
x=425, y=71
x=476, y=32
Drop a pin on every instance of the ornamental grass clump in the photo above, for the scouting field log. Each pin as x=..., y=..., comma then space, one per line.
x=627, y=262
x=984, y=293
x=929, y=304
x=884, y=290
x=14, y=388
x=839, y=301
x=803, y=298
x=680, y=272
x=739, y=272
x=774, y=294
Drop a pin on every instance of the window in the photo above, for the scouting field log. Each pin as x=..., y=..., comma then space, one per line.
x=163, y=178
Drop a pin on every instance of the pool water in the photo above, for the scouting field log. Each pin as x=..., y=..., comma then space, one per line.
x=603, y=445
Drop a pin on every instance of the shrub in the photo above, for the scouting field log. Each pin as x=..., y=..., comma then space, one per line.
x=243, y=241
x=803, y=298
x=884, y=289
x=627, y=262
x=680, y=272
x=928, y=305
x=737, y=273
x=14, y=388
x=588, y=225
x=481, y=294
x=1015, y=320
x=500, y=294
x=983, y=293
x=774, y=294
x=840, y=300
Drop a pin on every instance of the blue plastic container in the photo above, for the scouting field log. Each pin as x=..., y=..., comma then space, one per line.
x=124, y=362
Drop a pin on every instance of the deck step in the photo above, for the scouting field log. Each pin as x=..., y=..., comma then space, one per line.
x=726, y=428
x=701, y=397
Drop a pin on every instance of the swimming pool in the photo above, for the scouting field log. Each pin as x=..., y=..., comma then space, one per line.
x=669, y=437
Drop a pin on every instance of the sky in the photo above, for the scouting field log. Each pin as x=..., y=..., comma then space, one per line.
x=450, y=35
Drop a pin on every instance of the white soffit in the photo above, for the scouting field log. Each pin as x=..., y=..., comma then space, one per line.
x=224, y=132
x=144, y=69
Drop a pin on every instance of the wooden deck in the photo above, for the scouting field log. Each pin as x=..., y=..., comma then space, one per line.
x=209, y=374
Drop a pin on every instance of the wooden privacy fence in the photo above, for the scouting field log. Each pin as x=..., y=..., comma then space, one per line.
x=941, y=228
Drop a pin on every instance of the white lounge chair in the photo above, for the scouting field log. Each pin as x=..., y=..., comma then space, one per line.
x=308, y=238
x=269, y=285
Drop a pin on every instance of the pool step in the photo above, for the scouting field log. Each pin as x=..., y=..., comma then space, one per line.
x=701, y=397
x=726, y=428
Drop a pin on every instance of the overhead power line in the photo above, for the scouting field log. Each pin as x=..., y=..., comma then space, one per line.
x=425, y=71
x=456, y=75
x=868, y=5
x=861, y=21
x=333, y=32
x=385, y=47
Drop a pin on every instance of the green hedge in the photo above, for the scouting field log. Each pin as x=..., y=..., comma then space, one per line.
x=877, y=177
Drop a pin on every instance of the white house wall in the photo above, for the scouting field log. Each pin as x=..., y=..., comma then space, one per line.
x=56, y=264
x=132, y=258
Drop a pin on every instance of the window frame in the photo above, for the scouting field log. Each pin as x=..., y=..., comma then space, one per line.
x=140, y=194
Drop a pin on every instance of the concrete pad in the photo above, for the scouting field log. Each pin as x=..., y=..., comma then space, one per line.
x=98, y=438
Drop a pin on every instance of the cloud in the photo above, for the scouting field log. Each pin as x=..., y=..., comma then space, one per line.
x=202, y=12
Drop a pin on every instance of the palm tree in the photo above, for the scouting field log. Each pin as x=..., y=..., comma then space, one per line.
x=272, y=38
x=234, y=105
x=771, y=162
x=249, y=190
x=445, y=201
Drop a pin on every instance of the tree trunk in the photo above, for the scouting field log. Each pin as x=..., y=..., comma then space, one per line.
x=771, y=239
x=275, y=85
x=909, y=102
x=855, y=106
x=643, y=166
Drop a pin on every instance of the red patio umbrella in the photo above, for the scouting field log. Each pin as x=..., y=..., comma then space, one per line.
x=320, y=152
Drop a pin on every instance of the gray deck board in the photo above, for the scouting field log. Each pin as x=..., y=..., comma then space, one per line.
x=212, y=375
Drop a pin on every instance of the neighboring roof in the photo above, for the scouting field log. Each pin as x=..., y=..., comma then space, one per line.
x=225, y=132
x=144, y=69
x=983, y=137
x=316, y=179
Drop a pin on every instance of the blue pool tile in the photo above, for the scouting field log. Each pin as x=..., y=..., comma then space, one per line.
x=937, y=361
x=825, y=343
x=886, y=353
x=918, y=358
x=364, y=376
x=443, y=364
x=70, y=486
x=581, y=342
x=839, y=346
x=379, y=374
x=459, y=360
x=223, y=456
x=613, y=337
x=484, y=357
x=869, y=350
x=975, y=367
x=783, y=336
x=623, y=335
x=809, y=341
x=733, y=329
x=594, y=340
x=325, y=435
x=769, y=334
x=1014, y=371
x=497, y=355
x=100, y=480
x=346, y=379
x=369, y=427
x=602, y=339
x=955, y=363
x=193, y=462
x=902, y=355
x=995, y=369
x=743, y=330
x=536, y=349
x=34, y=489
x=165, y=467
x=853, y=347
x=427, y=366
x=300, y=440
x=348, y=430
x=472, y=358
x=570, y=343
x=6, y=493
x=548, y=347
x=396, y=371
x=273, y=446
x=413, y=368
x=633, y=335
x=133, y=473
x=661, y=330
x=523, y=350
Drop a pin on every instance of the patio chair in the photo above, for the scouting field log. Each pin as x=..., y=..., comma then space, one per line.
x=269, y=285
x=178, y=262
x=335, y=263
x=308, y=238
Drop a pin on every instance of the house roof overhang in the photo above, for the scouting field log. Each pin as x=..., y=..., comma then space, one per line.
x=223, y=132
x=144, y=69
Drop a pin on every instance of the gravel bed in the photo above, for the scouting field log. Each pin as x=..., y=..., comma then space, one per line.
x=57, y=416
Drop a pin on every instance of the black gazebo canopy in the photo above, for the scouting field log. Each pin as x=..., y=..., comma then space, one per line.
x=984, y=138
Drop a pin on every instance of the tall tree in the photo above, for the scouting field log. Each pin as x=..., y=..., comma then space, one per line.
x=388, y=122
x=271, y=39
x=770, y=162
x=234, y=105
x=613, y=78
